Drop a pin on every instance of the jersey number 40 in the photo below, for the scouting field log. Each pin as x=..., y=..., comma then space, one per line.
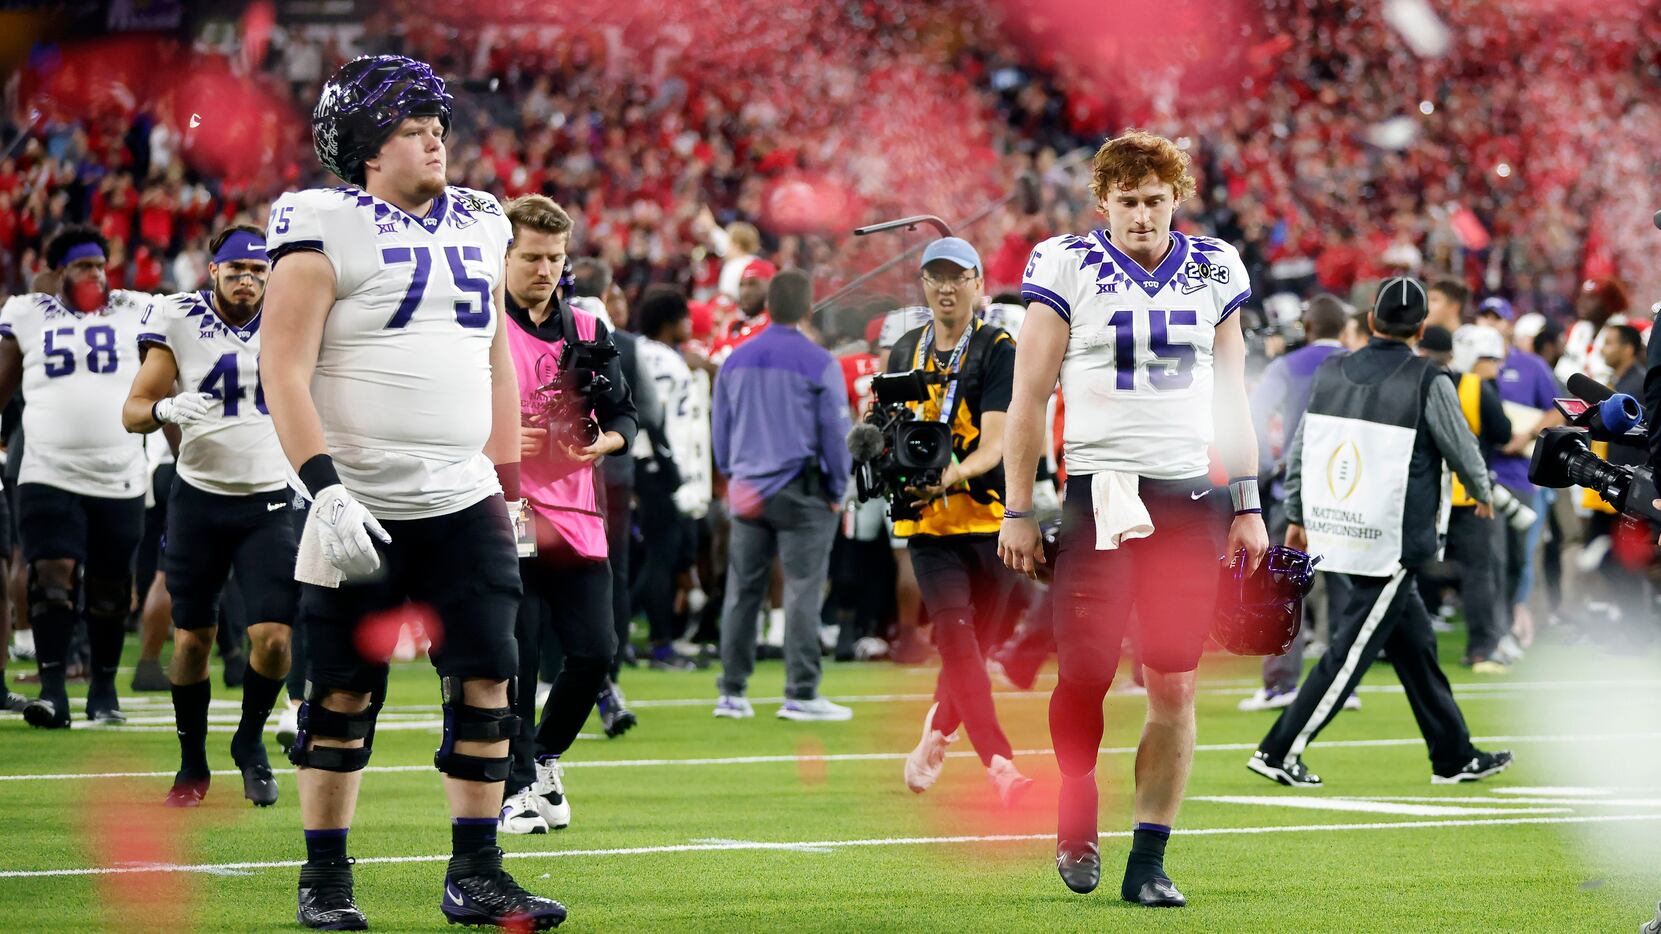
x=224, y=382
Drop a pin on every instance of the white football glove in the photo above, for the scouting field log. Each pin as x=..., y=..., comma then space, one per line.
x=344, y=528
x=186, y=408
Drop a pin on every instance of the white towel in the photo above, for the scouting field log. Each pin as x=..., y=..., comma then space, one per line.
x=1120, y=513
x=312, y=566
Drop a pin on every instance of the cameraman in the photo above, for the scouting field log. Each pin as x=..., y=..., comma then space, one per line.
x=952, y=528
x=567, y=582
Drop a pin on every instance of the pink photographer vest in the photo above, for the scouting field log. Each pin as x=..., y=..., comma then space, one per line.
x=559, y=491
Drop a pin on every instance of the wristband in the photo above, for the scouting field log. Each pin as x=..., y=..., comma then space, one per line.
x=155, y=415
x=318, y=474
x=508, y=476
x=1243, y=494
x=1017, y=513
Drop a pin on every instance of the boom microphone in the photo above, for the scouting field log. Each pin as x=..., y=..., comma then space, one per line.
x=865, y=442
x=1588, y=390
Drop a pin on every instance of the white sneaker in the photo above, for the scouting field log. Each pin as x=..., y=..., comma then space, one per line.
x=288, y=726
x=1353, y=702
x=922, y=767
x=816, y=709
x=548, y=793
x=1268, y=699
x=1010, y=784
x=520, y=815
x=734, y=708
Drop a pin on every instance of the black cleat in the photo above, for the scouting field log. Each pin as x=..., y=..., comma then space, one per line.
x=614, y=717
x=188, y=791
x=1288, y=771
x=258, y=785
x=149, y=676
x=478, y=891
x=1158, y=892
x=1481, y=766
x=46, y=714
x=326, y=898
x=1080, y=865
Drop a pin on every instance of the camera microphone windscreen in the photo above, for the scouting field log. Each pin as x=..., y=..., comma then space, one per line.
x=1588, y=390
x=865, y=442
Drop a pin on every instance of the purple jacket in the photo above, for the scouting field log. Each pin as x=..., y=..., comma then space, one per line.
x=780, y=408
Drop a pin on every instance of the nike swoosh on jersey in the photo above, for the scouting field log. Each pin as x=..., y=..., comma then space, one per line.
x=273, y=507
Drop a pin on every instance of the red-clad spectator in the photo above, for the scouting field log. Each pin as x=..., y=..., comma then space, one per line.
x=750, y=317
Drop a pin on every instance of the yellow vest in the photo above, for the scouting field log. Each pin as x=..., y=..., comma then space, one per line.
x=1470, y=402
x=977, y=510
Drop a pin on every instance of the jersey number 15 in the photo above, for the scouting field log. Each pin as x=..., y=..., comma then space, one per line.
x=1172, y=366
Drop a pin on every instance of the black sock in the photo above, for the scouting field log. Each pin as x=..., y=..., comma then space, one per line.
x=105, y=636
x=470, y=835
x=190, y=715
x=1147, y=856
x=53, y=624
x=323, y=846
x=259, y=693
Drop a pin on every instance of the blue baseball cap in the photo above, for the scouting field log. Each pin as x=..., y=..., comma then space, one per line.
x=1498, y=307
x=955, y=249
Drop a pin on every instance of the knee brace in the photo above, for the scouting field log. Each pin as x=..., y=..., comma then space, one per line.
x=109, y=598
x=316, y=720
x=44, y=599
x=484, y=724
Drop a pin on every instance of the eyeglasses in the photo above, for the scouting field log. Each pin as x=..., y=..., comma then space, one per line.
x=963, y=280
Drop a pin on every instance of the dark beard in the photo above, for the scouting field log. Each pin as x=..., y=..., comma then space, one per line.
x=234, y=313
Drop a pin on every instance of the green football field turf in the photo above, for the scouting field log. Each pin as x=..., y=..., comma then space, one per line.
x=695, y=823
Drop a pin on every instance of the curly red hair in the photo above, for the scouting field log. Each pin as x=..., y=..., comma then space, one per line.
x=1124, y=161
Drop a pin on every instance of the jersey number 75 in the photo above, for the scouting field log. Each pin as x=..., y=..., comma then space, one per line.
x=472, y=311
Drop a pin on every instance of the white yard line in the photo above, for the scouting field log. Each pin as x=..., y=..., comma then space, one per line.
x=826, y=845
x=1564, y=739
x=1378, y=806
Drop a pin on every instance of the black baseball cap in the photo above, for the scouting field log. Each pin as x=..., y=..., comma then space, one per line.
x=1436, y=340
x=1401, y=301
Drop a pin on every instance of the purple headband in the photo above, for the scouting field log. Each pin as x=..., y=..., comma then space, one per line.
x=241, y=245
x=81, y=251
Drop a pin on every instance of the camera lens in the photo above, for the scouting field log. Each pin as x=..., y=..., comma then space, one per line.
x=922, y=447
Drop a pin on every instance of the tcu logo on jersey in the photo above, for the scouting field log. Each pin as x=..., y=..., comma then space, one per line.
x=1212, y=271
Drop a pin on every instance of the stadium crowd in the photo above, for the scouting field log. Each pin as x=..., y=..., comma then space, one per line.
x=1330, y=150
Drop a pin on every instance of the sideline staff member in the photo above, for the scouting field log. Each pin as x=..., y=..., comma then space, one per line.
x=953, y=539
x=1392, y=416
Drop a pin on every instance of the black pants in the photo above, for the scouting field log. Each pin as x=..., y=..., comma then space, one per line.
x=1383, y=613
x=569, y=597
x=1471, y=546
x=670, y=543
x=965, y=587
x=619, y=510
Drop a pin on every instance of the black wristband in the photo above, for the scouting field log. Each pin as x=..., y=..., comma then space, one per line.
x=153, y=414
x=318, y=474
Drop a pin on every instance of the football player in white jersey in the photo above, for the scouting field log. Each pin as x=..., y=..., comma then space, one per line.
x=671, y=506
x=388, y=376
x=80, y=494
x=1139, y=322
x=229, y=505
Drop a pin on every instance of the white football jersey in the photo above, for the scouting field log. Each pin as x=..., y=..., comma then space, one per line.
x=1137, y=375
x=77, y=369
x=234, y=451
x=685, y=397
x=403, y=375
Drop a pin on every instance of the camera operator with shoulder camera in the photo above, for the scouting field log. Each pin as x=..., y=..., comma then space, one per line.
x=575, y=408
x=952, y=526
